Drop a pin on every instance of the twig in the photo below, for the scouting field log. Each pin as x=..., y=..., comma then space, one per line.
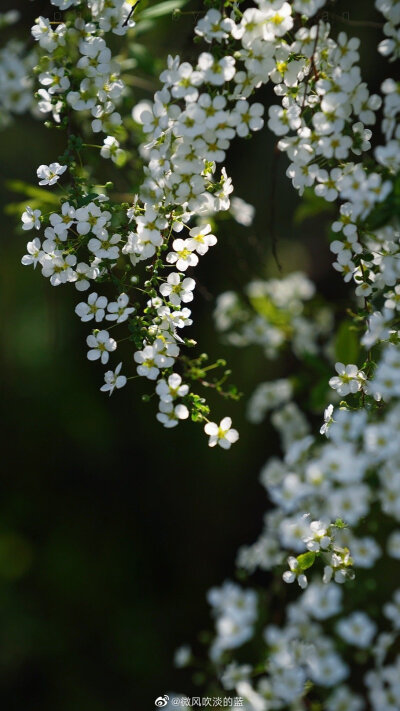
x=124, y=24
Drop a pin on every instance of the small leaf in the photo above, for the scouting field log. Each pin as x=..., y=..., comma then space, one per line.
x=306, y=560
x=18, y=186
x=311, y=206
x=163, y=8
x=339, y=523
x=347, y=345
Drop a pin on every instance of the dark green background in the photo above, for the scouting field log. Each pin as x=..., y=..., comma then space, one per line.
x=111, y=528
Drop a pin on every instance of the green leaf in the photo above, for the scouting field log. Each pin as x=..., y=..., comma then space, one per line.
x=163, y=8
x=317, y=397
x=339, y=523
x=306, y=560
x=264, y=306
x=347, y=345
x=311, y=206
x=18, y=186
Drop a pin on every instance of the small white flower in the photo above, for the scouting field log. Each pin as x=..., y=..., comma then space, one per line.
x=176, y=290
x=94, y=308
x=111, y=149
x=170, y=415
x=83, y=273
x=319, y=537
x=348, y=380
x=113, y=379
x=200, y=239
x=168, y=391
x=50, y=174
x=357, y=629
x=289, y=576
x=119, y=310
x=216, y=71
x=182, y=656
x=101, y=345
x=221, y=434
x=183, y=256
x=31, y=218
x=327, y=420
x=35, y=253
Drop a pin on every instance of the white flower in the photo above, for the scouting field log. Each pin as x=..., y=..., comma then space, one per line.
x=168, y=391
x=242, y=211
x=319, y=537
x=61, y=223
x=393, y=544
x=201, y=239
x=328, y=184
x=357, y=629
x=182, y=656
x=55, y=80
x=347, y=248
x=345, y=265
x=155, y=356
x=186, y=80
x=248, y=118
x=213, y=26
x=31, y=218
x=176, y=290
x=119, y=310
x=348, y=380
x=170, y=415
x=322, y=600
x=58, y=268
x=335, y=146
x=221, y=434
x=111, y=149
x=113, y=379
x=35, y=253
x=104, y=246
x=282, y=120
x=289, y=576
x=393, y=298
x=90, y=218
x=327, y=420
x=308, y=7
x=83, y=273
x=182, y=255
x=50, y=174
x=101, y=345
x=216, y=71
x=94, y=308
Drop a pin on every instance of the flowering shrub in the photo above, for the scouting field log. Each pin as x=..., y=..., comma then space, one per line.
x=336, y=649
x=336, y=492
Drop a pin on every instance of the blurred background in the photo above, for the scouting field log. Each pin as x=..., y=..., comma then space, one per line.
x=111, y=528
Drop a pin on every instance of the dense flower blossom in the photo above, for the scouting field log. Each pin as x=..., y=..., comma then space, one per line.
x=323, y=117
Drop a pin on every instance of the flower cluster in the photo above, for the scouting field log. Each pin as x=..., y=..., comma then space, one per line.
x=76, y=70
x=16, y=84
x=92, y=238
x=145, y=250
x=273, y=315
x=320, y=540
x=351, y=474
